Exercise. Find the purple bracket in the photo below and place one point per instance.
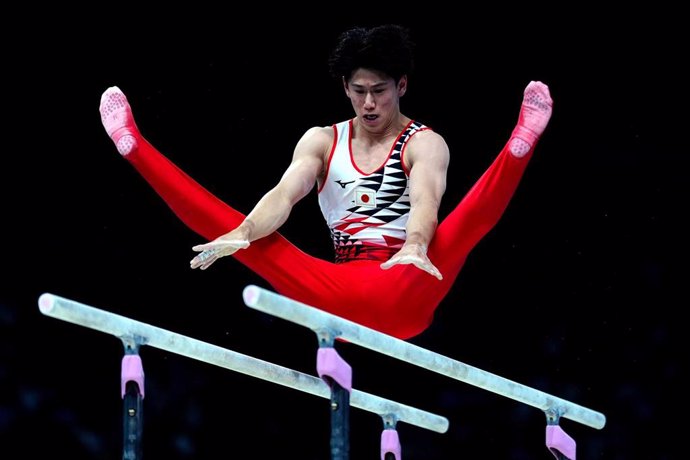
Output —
(390, 443)
(329, 363)
(132, 369)
(558, 440)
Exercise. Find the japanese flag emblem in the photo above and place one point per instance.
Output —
(365, 197)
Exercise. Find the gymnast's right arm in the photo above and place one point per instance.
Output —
(273, 209)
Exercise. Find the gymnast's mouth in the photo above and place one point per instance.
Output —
(370, 117)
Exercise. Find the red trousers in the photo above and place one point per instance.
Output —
(400, 301)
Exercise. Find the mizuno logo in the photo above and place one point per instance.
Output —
(343, 184)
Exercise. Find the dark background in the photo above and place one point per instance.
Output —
(576, 292)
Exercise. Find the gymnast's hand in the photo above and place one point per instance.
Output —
(414, 254)
(222, 246)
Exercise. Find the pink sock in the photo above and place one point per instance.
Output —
(534, 116)
(117, 119)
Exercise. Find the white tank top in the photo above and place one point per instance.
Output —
(366, 213)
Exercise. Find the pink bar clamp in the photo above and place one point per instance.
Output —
(329, 363)
(132, 369)
(390, 443)
(558, 441)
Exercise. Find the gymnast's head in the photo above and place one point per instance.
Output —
(386, 50)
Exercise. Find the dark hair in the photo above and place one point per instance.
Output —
(385, 48)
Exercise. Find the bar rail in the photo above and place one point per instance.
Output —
(306, 315)
(145, 334)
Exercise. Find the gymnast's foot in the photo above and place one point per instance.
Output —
(534, 116)
(117, 119)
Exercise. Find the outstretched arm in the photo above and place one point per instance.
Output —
(428, 157)
(274, 208)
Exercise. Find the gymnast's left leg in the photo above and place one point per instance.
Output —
(481, 208)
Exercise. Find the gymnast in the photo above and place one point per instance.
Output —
(379, 177)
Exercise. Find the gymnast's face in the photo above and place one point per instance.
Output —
(375, 98)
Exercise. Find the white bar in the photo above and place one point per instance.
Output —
(145, 334)
(315, 319)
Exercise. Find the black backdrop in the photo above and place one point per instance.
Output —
(576, 292)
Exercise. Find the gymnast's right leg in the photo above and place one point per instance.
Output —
(273, 258)
(199, 209)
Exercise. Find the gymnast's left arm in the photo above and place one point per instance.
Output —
(428, 157)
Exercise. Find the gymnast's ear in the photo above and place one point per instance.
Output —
(345, 86)
(402, 85)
